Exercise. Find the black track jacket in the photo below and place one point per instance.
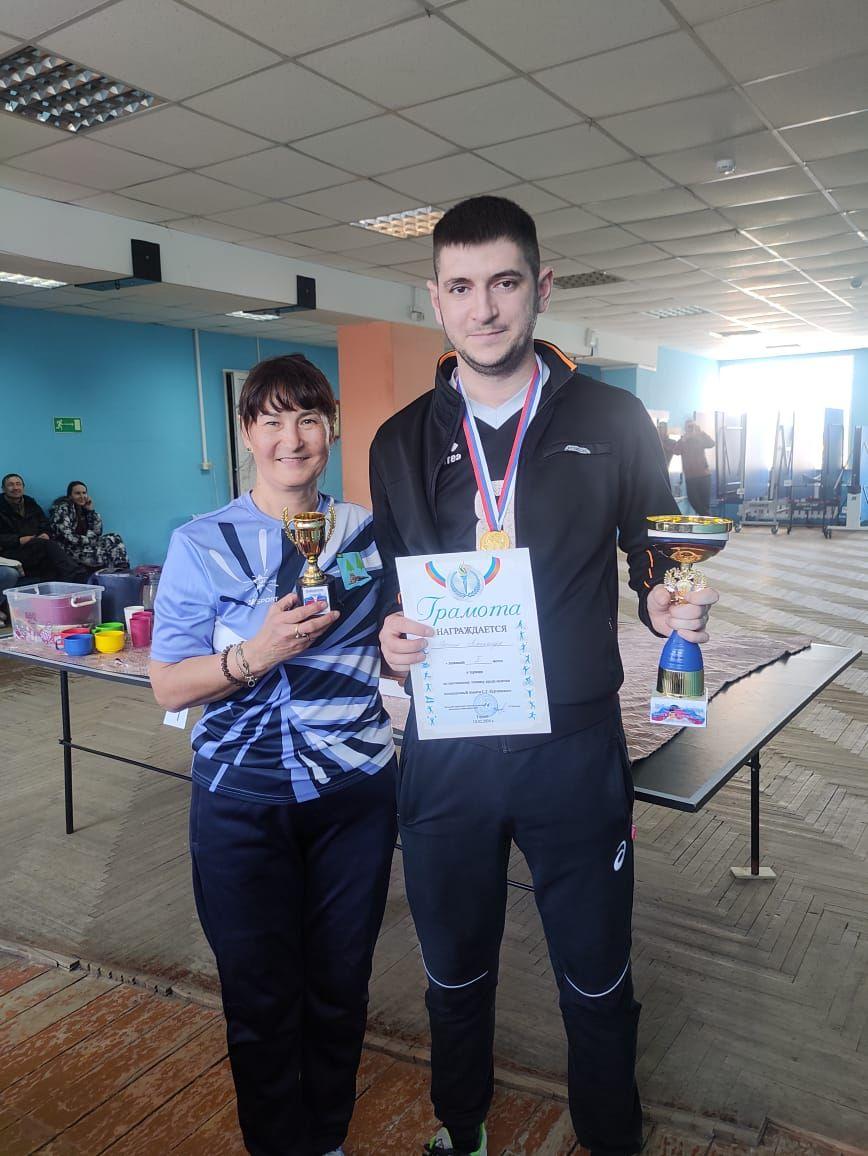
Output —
(591, 470)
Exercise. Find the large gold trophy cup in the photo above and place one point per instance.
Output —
(680, 698)
(307, 532)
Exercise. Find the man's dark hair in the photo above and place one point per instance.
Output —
(483, 219)
(281, 383)
(6, 478)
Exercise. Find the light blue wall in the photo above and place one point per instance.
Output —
(679, 383)
(623, 378)
(134, 387)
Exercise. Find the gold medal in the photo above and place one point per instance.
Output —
(495, 540)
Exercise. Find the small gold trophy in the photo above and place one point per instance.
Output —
(681, 699)
(307, 532)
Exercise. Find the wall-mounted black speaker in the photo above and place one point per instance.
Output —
(305, 293)
(146, 260)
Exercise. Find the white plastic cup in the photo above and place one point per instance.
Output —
(129, 611)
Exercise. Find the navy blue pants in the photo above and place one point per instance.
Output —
(568, 806)
(291, 899)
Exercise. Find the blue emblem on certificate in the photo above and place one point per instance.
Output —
(352, 568)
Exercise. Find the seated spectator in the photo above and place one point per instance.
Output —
(11, 573)
(24, 536)
(78, 528)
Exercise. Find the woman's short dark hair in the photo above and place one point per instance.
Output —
(288, 382)
(483, 219)
(6, 478)
(72, 486)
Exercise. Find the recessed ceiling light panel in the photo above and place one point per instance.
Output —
(734, 332)
(675, 311)
(33, 282)
(50, 90)
(585, 280)
(412, 223)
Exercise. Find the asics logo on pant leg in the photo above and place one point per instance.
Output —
(620, 855)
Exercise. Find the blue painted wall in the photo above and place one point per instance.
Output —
(134, 387)
(681, 383)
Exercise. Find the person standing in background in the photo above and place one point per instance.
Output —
(691, 447)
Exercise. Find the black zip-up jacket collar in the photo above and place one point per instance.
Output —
(591, 469)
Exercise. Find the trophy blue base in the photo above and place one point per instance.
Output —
(323, 592)
(680, 699)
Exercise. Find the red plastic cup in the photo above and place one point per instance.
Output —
(141, 625)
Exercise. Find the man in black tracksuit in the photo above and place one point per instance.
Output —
(590, 469)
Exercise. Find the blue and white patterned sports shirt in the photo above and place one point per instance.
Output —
(310, 725)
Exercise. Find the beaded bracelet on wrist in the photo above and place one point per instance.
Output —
(224, 666)
(244, 666)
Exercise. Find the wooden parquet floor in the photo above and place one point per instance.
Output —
(755, 995)
(92, 1066)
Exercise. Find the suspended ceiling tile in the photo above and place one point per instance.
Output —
(402, 253)
(797, 230)
(418, 60)
(667, 203)
(683, 225)
(178, 137)
(552, 31)
(191, 194)
(852, 196)
(629, 255)
(831, 90)
(464, 175)
(683, 123)
(699, 11)
(338, 238)
(119, 206)
(829, 138)
(216, 229)
(724, 242)
(376, 146)
(282, 248)
(721, 262)
(591, 241)
(273, 219)
(788, 182)
(149, 45)
(18, 135)
(665, 68)
(652, 270)
(356, 201)
(277, 172)
(90, 163)
(850, 169)
(532, 198)
(753, 153)
(38, 185)
(311, 25)
(549, 154)
(570, 220)
(777, 212)
(786, 34)
(627, 179)
(489, 115)
(30, 19)
(284, 104)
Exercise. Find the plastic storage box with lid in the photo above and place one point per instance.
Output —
(42, 611)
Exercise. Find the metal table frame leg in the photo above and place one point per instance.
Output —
(754, 871)
(66, 743)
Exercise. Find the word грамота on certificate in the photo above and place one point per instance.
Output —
(483, 672)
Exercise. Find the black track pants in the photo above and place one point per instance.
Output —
(291, 899)
(568, 806)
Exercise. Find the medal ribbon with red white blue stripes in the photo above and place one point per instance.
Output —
(494, 508)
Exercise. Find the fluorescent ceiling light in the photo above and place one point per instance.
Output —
(412, 223)
(675, 311)
(48, 89)
(254, 316)
(33, 282)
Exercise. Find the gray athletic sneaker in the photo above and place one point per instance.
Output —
(441, 1145)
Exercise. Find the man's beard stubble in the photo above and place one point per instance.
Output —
(513, 356)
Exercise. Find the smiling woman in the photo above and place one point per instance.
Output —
(293, 814)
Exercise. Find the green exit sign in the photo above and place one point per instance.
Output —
(67, 425)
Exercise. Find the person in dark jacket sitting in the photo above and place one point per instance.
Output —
(78, 527)
(25, 536)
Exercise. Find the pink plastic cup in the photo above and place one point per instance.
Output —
(141, 625)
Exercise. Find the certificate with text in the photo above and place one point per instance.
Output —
(483, 671)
